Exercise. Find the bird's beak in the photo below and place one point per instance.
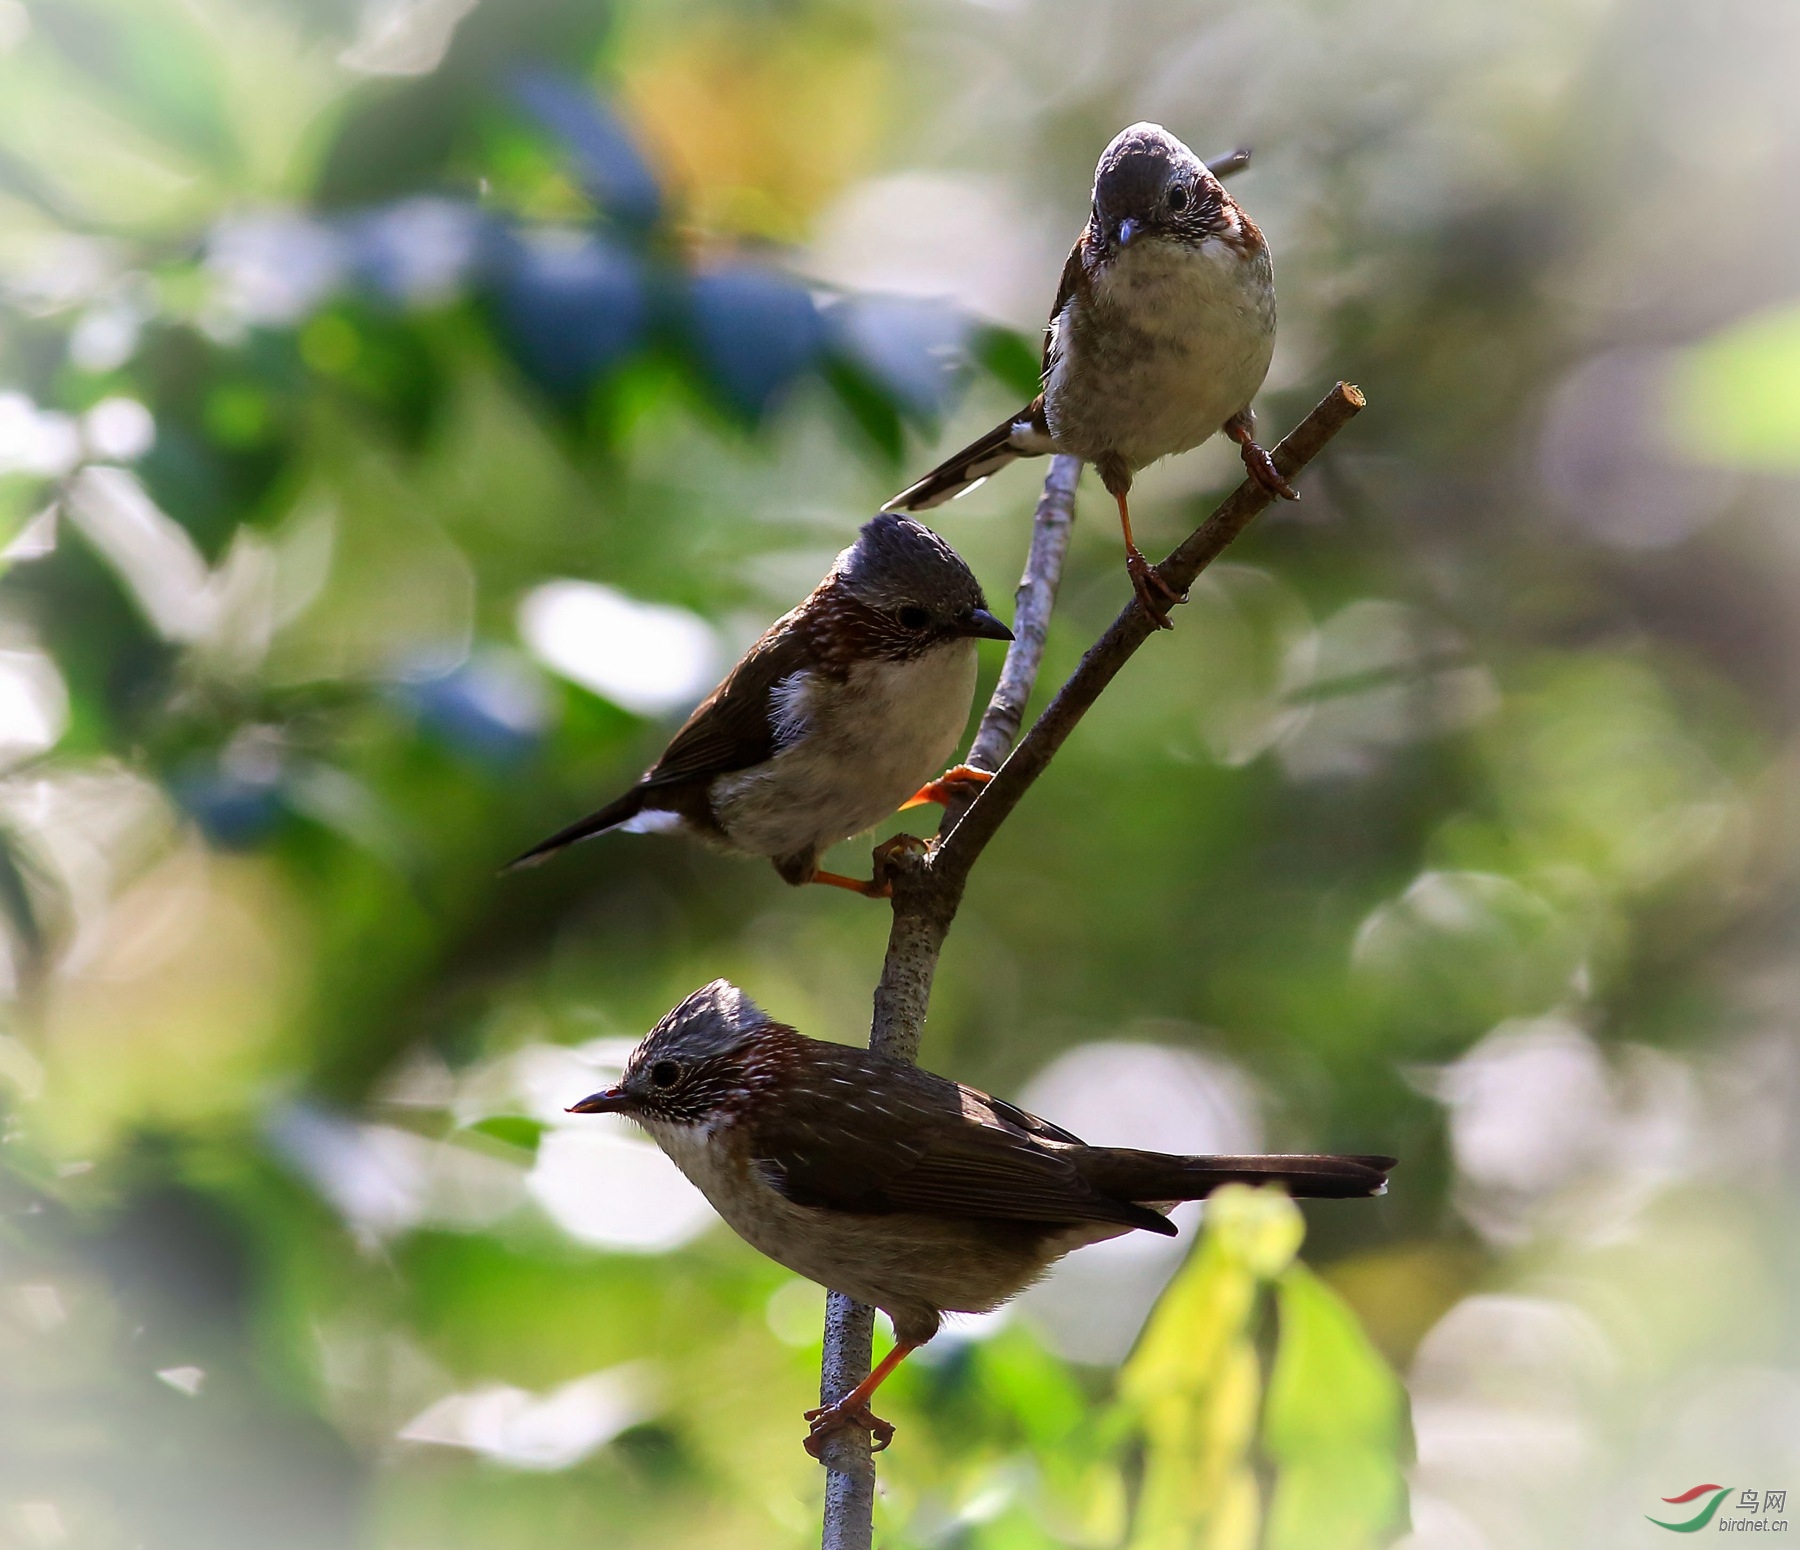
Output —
(612, 1101)
(1129, 228)
(984, 626)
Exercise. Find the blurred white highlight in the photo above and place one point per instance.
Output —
(106, 336)
(117, 430)
(15, 25)
(1502, 1386)
(42, 442)
(384, 1181)
(607, 1186)
(648, 658)
(94, 829)
(1551, 1140)
(271, 266)
(1092, 1304)
(184, 1380)
(597, 1176)
(230, 610)
(548, 1432)
(34, 705)
(942, 235)
(34, 540)
(404, 37)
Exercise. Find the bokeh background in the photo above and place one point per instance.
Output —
(407, 409)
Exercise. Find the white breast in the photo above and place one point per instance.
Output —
(1176, 341)
(858, 748)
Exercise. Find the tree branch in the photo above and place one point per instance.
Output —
(956, 852)
(928, 888)
(914, 941)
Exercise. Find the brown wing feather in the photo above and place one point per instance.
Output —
(734, 726)
(1074, 278)
(851, 1131)
(731, 729)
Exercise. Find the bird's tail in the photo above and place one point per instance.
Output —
(1142, 1176)
(1023, 435)
(623, 810)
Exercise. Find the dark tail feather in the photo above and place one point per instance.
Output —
(1139, 1176)
(611, 816)
(1006, 442)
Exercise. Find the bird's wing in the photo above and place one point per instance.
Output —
(850, 1131)
(1074, 278)
(736, 725)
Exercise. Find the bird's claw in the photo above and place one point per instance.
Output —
(885, 861)
(945, 787)
(1262, 469)
(828, 1419)
(1152, 591)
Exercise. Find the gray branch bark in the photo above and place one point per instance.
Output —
(928, 888)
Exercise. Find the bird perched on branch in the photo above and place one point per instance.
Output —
(831, 721)
(897, 1187)
(1160, 335)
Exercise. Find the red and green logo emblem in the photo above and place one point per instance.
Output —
(1704, 1516)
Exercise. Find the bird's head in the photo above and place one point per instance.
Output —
(910, 590)
(703, 1060)
(1149, 187)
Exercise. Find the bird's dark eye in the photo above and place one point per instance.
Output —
(665, 1073)
(1178, 198)
(913, 617)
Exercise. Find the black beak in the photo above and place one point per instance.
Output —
(984, 626)
(612, 1101)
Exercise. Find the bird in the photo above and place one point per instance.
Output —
(828, 723)
(1160, 335)
(896, 1187)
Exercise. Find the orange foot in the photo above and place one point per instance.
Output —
(881, 885)
(945, 786)
(828, 1419)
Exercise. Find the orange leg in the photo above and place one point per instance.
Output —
(944, 787)
(869, 890)
(1152, 591)
(853, 1408)
(1241, 428)
(881, 885)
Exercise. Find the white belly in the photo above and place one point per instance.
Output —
(1177, 341)
(860, 748)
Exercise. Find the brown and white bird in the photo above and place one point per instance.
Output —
(1160, 335)
(896, 1187)
(834, 718)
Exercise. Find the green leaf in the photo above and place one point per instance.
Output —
(1335, 1427)
(1010, 356)
(1194, 1383)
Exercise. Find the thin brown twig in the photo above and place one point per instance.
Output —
(928, 888)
